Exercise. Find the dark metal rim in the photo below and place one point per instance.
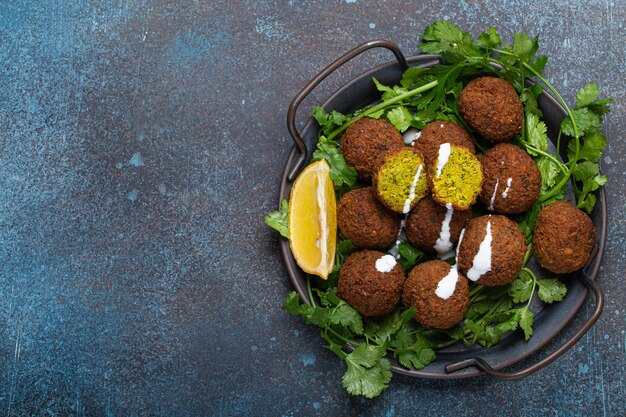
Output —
(298, 156)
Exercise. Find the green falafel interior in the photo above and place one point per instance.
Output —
(422, 96)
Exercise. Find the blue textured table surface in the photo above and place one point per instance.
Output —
(142, 142)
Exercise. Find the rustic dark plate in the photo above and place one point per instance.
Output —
(459, 360)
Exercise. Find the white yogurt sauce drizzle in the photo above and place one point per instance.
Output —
(458, 246)
(385, 263)
(395, 250)
(482, 261)
(447, 285)
(407, 203)
(443, 246)
(444, 155)
(411, 136)
(493, 196)
(508, 186)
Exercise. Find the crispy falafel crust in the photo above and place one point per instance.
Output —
(508, 248)
(437, 133)
(365, 221)
(432, 311)
(364, 142)
(370, 292)
(505, 161)
(564, 237)
(492, 107)
(423, 225)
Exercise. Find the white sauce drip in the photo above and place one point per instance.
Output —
(447, 285)
(444, 155)
(508, 186)
(493, 196)
(458, 246)
(411, 136)
(482, 261)
(400, 238)
(385, 263)
(441, 125)
(407, 203)
(443, 246)
(321, 197)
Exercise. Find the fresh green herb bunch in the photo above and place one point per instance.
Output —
(425, 95)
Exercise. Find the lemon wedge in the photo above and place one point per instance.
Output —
(313, 220)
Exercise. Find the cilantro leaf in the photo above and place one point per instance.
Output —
(446, 38)
(400, 118)
(591, 150)
(368, 373)
(587, 95)
(381, 330)
(388, 92)
(409, 255)
(490, 39)
(551, 290)
(549, 172)
(328, 121)
(535, 134)
(278, 220)
(521, 288)
(586, 121)
(340, 172)
(524, 47)
(526, 322)
(412, 350)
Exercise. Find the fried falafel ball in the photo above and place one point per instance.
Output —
(364, 142)
(491, 250)
(400, 180)
(434, 228)
(439, 293)
(437, 133)
(371, 282)
(365, 221)
(456, 177)
(512, 180)
(564, 237)
(492, 107)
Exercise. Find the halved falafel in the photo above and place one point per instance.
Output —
(491, 250)
(365, 221)
(492, 107)
(512, 181)
(400, 180)
(364, 142)
(456, 177)
(434, 228)
(437, 133)
(371, 282)
(564, 237)
(426, 289)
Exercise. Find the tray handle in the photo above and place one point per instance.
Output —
(293, 107)
(529, 370)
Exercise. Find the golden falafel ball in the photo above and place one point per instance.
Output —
(400, 180)
(364, 142)
(456, 177)
(564, 237)
(437, 133)
(434, 228)
(512, 180)
(371, 282)
(491, 250)
(365, 221)
(425, 288)
(492, 107)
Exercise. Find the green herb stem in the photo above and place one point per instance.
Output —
(308, 290)
(383, 105)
